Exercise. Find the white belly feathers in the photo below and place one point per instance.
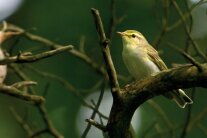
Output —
(137, 63)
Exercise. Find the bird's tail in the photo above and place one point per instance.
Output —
(181, 98)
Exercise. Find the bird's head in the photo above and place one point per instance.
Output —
(132, 38)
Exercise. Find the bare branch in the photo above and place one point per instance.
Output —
(187, 56)
(162, 114)
(21, 122)
(38, 133)
(196, 119)
(94, 112)
(14, 92)
(27, 58)
(21, 84)
(165, 4)
(97, 125)
(186, 15)
(106, 52)
(203, 128)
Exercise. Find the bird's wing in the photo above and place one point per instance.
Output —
(153, 56)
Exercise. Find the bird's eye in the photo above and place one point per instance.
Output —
(133, 35)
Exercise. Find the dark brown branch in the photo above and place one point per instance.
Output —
(97, 125)
(158, 40)
(106, 52)
(94, 112)
(136, 93)
(187, 56)
(27, 58)
(183, 77)
(14, 92)
(38, 133)
(113, 19)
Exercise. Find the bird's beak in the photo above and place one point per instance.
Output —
(121, 33)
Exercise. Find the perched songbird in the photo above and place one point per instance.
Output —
(142, 60)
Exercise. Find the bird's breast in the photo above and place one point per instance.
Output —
(138, 63)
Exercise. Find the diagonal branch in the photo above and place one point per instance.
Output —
(194, 44)
(94, 111)
(21, 122)
(27, 58)
(14, 92)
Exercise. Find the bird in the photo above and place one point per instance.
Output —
(142, 60)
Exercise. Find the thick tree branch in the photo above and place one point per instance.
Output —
(136, 93)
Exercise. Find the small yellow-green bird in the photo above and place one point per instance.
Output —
(142, 60)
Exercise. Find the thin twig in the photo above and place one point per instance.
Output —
(162, 114)
(14, 92)
(97, 125)
(25, 58)
(164, 23)
(68, 86)
(197, 118)
(149, 128)
(41, 108)
(85, 58)
(187, 56)
(94, 112)
(21, 84)
(194, 44)
(38, 133)
(21, 122)
(112, 19)
(203, 128)
(186, 15)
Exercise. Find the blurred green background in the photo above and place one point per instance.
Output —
(66, 22)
